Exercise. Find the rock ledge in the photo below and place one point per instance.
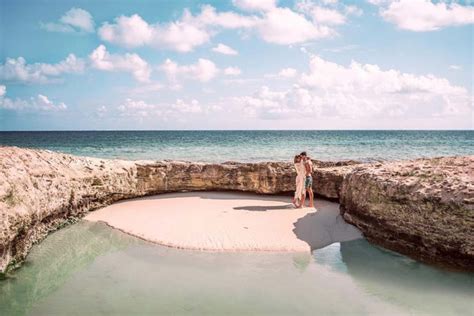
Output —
(421, 208)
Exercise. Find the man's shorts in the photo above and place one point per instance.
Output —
(308, 182)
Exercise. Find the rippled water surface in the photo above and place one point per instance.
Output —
(218, 146)
(91, 269)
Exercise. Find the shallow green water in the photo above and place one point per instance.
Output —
(91, 269)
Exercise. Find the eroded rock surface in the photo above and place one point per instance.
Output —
(422, 208)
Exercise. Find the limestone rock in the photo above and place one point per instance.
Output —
(422, 208)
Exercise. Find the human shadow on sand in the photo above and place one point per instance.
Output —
(324, 227)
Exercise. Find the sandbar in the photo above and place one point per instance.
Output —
(222, 221)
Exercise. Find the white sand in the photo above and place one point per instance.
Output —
(227, 221)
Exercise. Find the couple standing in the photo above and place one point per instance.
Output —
(304, 180)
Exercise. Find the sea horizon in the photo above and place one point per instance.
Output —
(248, 145)
(231, 130)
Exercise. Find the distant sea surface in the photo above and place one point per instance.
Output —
(219, 146)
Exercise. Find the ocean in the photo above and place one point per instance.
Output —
(248, 146)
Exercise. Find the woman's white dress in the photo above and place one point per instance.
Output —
(300, 177)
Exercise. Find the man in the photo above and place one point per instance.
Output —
(308, 183)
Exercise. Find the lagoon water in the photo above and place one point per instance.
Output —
(219, 146)
(92, 269)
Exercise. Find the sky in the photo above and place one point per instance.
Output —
(236, 64)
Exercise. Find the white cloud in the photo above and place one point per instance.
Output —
(284, 73)
(243, 81)
(203, 70)
(228, 20)
(365, 78)
(328, 13)
(327, 16)
(178, 110)
(133, 31)
(187, 107)
(329, 2)
(130, 31)
(38, 103)
(255, 5)
(276, 24)
(284, 26)
(101, 59)
(367, 90)
(224, 49)
(379, 2)
(232, 71)
(74, 20)
(56, 27)
(353, 10)
(101, 111)
(455, 67)
(147, 88)
(269, 104)
(17, 70)
(182, 36)
(287, 73)
(358, 91)
(139, 109)
(279, 25)
(424, 15)
(79, 18)
(42, 102)
(309, 22)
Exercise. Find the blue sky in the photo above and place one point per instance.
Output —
(241, 64)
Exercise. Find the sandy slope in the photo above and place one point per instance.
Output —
(228, 221)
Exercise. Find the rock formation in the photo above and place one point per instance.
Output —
(421, 208)
(427, 213)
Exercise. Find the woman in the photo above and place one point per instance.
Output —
(300, 178)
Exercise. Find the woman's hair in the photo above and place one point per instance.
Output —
(297, 158)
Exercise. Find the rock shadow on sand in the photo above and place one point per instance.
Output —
(217, 195)
(263, 208)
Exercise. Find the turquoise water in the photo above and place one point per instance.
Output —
(218, 146)
(91, 269)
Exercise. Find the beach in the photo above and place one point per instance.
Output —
(220, 221)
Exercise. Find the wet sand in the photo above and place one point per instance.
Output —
(218, 221)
